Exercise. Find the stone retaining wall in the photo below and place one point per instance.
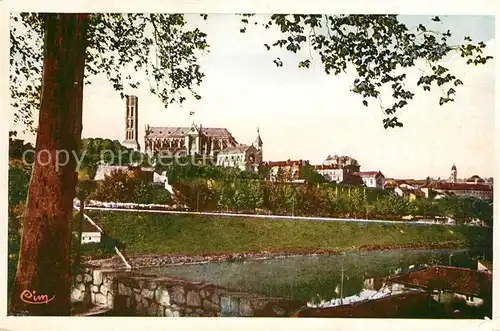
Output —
(135, 294)
(94, 287)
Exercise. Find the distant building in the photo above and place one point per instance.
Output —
(414, 183)
(338, 175)
(408, 192)
(90, 234)
(243, 157)
(474, 186)
(373, 179)
(482, 191)
(332, 173)
(197, 141)
(286, 171)
(342, 162)
(339, 169)
(391, 183)
(185, 141)
(176, 141)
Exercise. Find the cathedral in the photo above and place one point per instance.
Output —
(196, 140)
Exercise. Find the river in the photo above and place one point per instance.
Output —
(315, 277)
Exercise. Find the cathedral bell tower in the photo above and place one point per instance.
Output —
(131, 123)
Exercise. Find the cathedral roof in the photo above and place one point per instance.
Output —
(179, 132)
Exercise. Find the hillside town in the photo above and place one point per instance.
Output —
(219, 145)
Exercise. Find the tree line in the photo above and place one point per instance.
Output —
(255, 195)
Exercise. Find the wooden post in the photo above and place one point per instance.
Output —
(80, 228)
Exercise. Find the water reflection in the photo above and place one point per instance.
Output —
(315, 278)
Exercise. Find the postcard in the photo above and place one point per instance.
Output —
(179, 163)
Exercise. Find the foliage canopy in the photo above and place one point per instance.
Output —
(166, 49)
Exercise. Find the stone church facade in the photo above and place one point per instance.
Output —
(196, 140)
(186, 141)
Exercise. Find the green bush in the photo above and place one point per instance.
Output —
(160, 195)
(122, 186)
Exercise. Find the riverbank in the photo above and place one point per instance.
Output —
(173, 239)
(142, 234)
(156, 260)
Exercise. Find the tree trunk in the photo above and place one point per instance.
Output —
(42, 285)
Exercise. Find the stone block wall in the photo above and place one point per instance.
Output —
(94, 287)
(134, 294)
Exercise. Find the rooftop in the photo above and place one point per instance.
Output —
(368, 173)
(461, 280)
(181, 131)
(326, 166)
(235, 149)
(406, 305)
(286, 163)
(459, 186)
(89, 227)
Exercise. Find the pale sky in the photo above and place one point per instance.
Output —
(306, 114)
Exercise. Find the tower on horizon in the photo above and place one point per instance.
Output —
(453, 177)
(131, 123)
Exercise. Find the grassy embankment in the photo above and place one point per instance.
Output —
(143, 233)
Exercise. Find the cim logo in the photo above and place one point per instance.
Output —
(35, 299)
